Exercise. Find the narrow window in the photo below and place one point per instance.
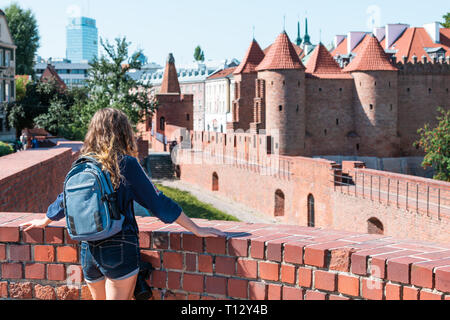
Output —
(311, 217)
(298, 107)
(187, 117)
(371, 107)
(279, 203)
(215, 182)
(280, 108)
(337, 122)
(320, 89)
(357, 146)
(391, 107)
(325, 131)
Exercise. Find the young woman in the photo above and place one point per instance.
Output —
(110, 267)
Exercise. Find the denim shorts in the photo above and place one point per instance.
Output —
(116, 258)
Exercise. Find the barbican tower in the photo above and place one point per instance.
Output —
(376, 100)
(282, 74)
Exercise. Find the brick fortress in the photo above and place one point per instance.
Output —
(285, 113)
(371, 107)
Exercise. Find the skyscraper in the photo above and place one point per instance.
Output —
(82, 39)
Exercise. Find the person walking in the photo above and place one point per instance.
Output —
(110, 267)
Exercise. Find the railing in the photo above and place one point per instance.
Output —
(263, 165)
(414, 197)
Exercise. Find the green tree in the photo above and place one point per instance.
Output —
(24, 30)
(21, 88)
(37, 100)
(199, 54)
(109, 85)
(436, 144)
(446, 23)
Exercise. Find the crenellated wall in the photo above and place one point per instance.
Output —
(254, 261)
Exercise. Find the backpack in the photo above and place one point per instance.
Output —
(90, 203)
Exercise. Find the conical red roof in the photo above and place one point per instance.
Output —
(253, 57)
(281, 55)
(170, 82)
(372, 57)
(322, 62)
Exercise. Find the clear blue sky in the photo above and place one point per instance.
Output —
(222, 28)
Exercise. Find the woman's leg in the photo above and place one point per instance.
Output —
(120, 289)
(97, 289)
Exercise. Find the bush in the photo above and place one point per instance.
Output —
(5, 149)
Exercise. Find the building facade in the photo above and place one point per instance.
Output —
(192, 78)
(82, 40)
(73, 74)
(7, 77)
(219, 96)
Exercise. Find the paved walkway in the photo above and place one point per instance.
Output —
(220, 202)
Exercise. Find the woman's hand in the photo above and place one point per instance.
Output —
(208, 232)
(184, 221)
(38, 223)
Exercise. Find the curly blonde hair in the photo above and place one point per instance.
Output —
(110, 136)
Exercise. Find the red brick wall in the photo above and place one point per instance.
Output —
(329, 107)
(264, 262)
(31, 180)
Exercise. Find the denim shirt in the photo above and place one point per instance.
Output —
(135, 187)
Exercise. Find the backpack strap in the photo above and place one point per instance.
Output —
(87, 158)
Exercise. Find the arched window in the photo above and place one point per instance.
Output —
(311, 217)
(279, 203)
(374, 226)
(162, 123)
(215, 182)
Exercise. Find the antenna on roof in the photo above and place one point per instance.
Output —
(253, 32)
(284, 22)
(320, 35)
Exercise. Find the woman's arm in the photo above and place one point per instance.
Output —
(55, 212)
(184, 221)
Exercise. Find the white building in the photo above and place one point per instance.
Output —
(7, 77)
(219, 96)
(73, 74)
(192, 78)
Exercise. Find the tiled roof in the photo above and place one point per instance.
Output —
(170, 82)
(50, 74)
(371, 57)
(341, 49)
(414, 41)
(222, 74)
(322, 62)
(253, 57)
(300, 52)
(282, 55)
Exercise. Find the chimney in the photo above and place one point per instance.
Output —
(433, 30)
(338, 39)
(393, 32)
(353, 39)
(380, 33)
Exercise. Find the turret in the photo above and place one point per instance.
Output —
(283, 77)
(245, 77)
(376, 100)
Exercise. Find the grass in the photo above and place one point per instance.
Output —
(193, 207)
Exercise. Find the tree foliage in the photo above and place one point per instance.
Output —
(109, 86)
(446, 23)
(24, 30)
(199, 54)
(436, 144)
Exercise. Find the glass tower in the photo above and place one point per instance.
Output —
(82, 39)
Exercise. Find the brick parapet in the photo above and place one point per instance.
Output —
(253, 261)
